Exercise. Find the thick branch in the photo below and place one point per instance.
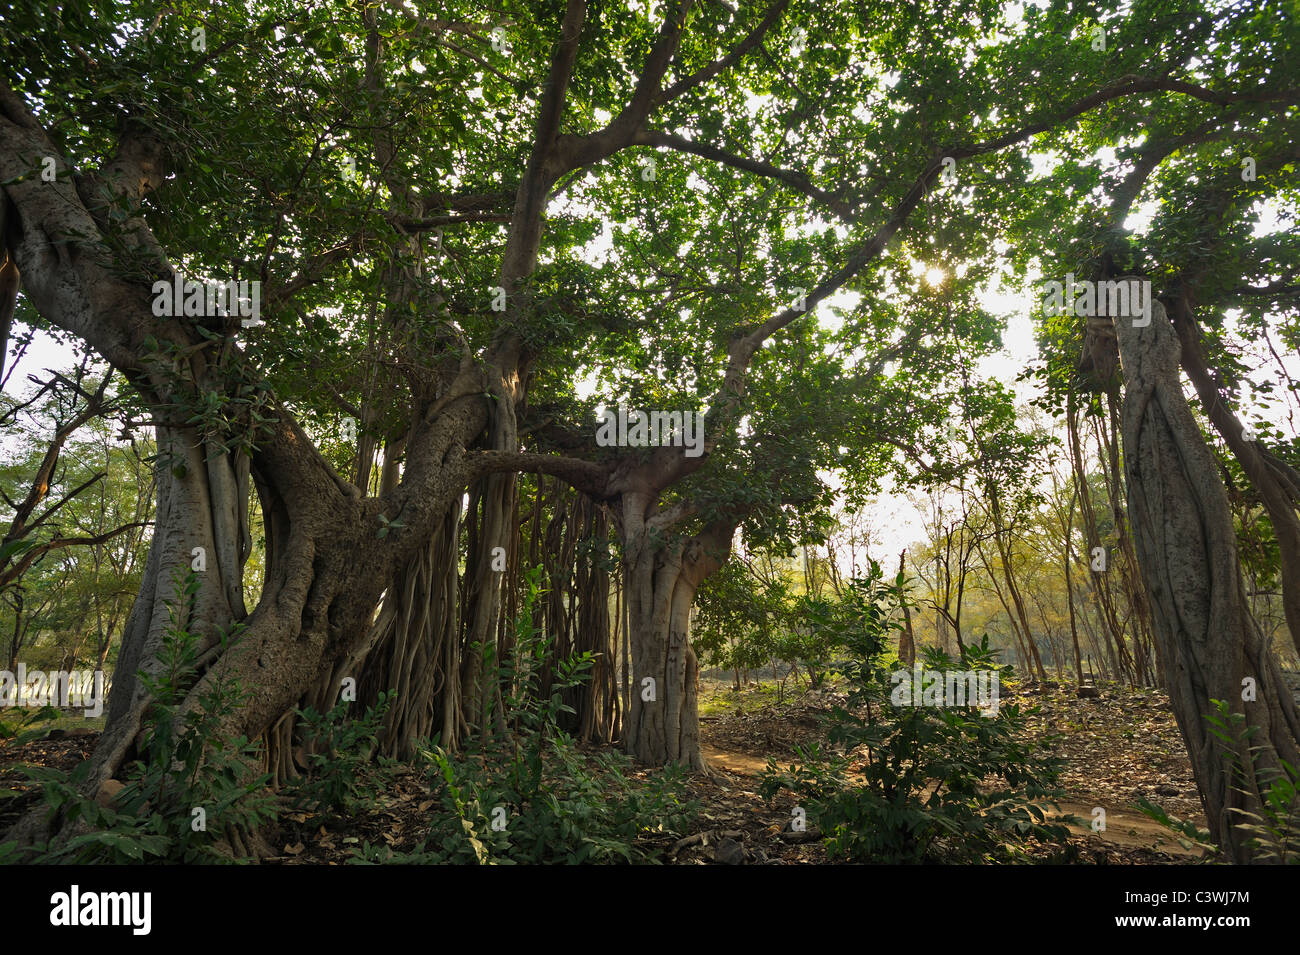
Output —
(590, 478)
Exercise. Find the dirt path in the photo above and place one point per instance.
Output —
(1123, 828)
(1117, 749)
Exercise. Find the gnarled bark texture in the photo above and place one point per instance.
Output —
(1210, 646)
(660, 580)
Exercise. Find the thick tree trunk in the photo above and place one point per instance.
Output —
(661, 581)
(1276, 483)
(1210, 647)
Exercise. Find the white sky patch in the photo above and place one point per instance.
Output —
(1043, 165)
(754, 105)
(1018, 345)
(45, 353)
(1271, 214)
(1139, 220)
(830, 311)
(745, 428)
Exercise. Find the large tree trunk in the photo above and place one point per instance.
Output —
(661, 580)
(1210, 647)
(1276, 483)
(201, 527)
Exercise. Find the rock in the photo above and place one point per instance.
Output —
(729, 852)
(1164, 789)
(80, 731)
(108, 789)
(1088, 693)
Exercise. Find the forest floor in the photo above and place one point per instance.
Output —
(1117, 748)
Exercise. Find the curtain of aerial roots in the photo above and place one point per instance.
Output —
(486, 628)
(415, 649)
(1122, 566)
(1210, 646)
(421, 646)
(1121, 660)
(574, 550)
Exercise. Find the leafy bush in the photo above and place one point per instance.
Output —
(1276, 830)
(556, 805)
(932, 782)
(28, 725)
(530, 795)
(741, 620)
(341, 775)
(744, 622)
(186, 767)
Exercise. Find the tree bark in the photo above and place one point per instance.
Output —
(1210, 646)
(661, 579)
(906, 638)
(1277, 485)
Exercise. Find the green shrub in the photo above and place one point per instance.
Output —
(530, 795)
(1274, 830)
(27, 725)
(186, 767)
(935, 783)
(341, 776)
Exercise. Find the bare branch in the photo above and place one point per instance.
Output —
(794, 179)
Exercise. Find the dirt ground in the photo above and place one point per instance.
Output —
(1118, 747)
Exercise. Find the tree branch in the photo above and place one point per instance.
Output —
(794, 179)
(585, 476)
(751, 40)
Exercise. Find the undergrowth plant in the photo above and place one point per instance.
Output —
(341, 776)
(528, 794)
(1274, 830)
(920, 783)
(191, 793)
(27, 725)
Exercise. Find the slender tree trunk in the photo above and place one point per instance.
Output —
(907, 638)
